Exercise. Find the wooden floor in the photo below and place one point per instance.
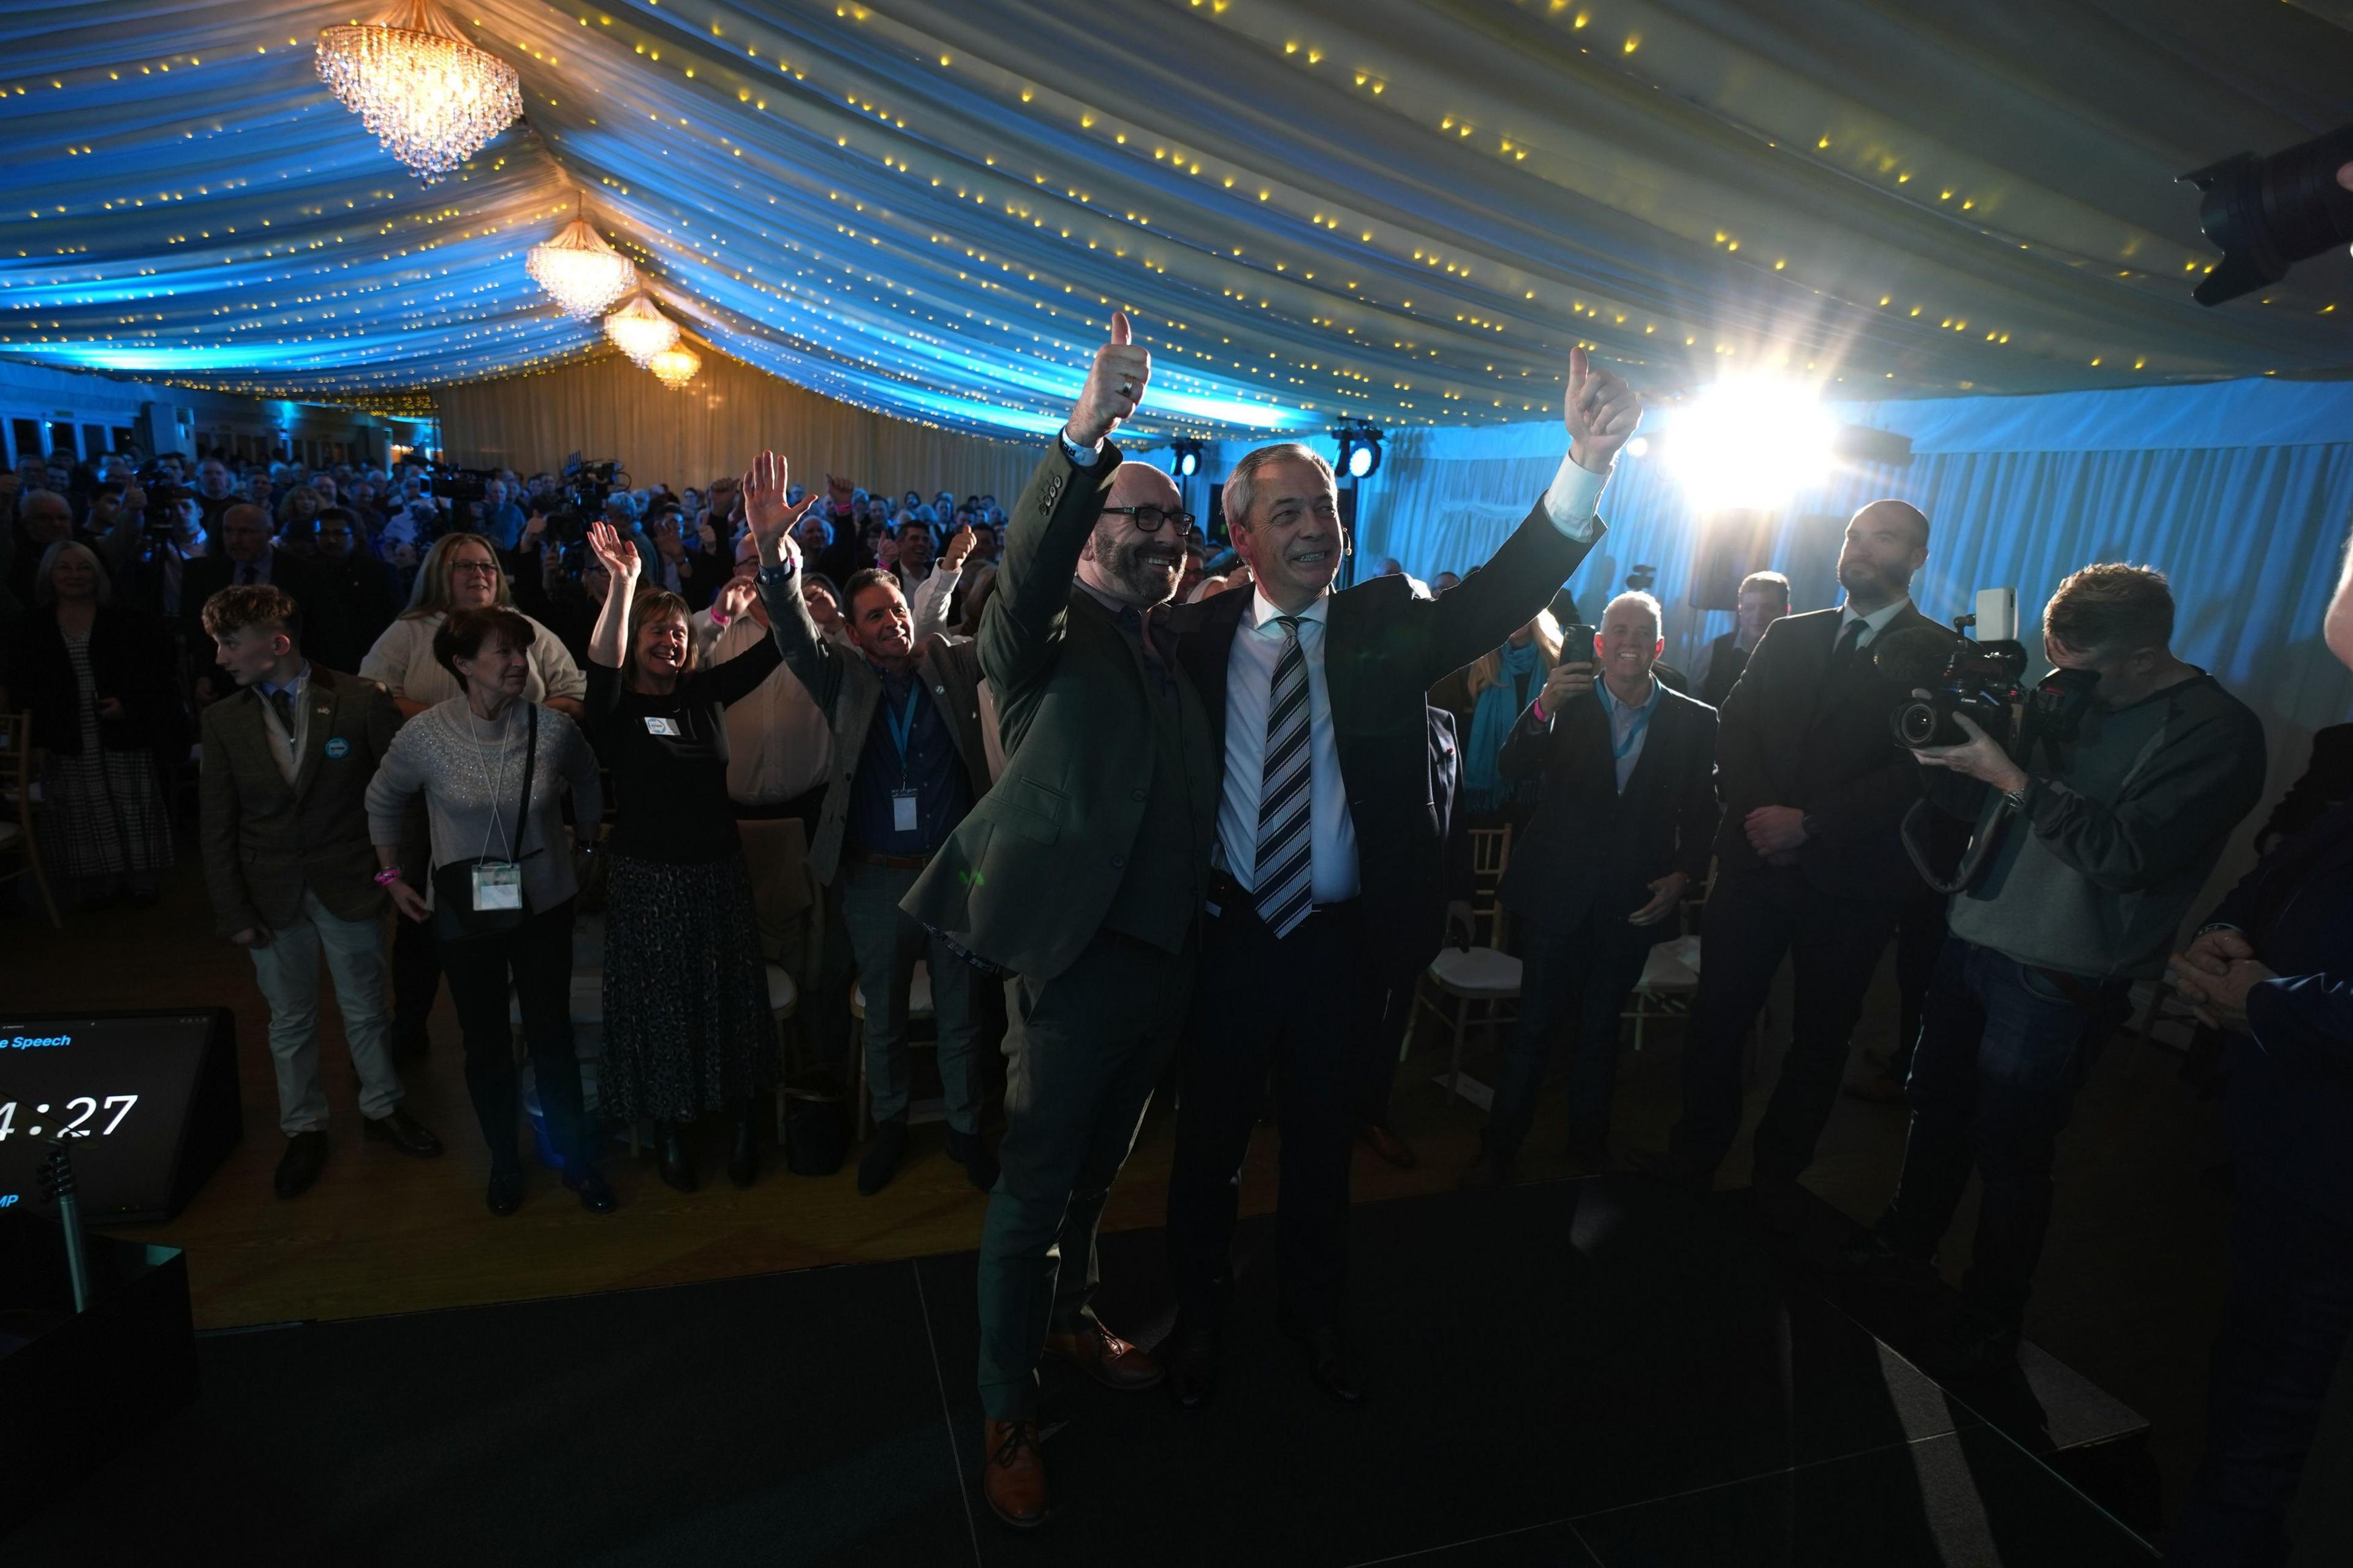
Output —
(2129, 1293)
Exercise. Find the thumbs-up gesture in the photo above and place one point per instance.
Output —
(1601, 411)
(1114, 386)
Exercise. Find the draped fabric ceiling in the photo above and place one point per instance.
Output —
(1405, 210)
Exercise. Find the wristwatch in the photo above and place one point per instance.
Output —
(2016, 797)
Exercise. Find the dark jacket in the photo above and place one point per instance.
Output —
(266, 841)
(2327, 780)
(349, 605)
(1386, 643)
(2290, 1108)
(130, 660)
(847, 687)
(1726, 661)
(1795, 732)
(1061, 845)
(1590, 847)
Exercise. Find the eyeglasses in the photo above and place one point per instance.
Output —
(482, 566)
(1149, 519)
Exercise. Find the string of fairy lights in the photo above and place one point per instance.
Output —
(913, 223)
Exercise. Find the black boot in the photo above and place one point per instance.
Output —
(979, 1165)
(881, 1161)
(744, 1164)
(677, 1164)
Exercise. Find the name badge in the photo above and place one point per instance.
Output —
(498, 885)
(903, 811)
(339, 748)
(657, 725)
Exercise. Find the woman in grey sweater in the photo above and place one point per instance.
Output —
(465, 756)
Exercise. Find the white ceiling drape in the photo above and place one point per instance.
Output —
(1407, 210)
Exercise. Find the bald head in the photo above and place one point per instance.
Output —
(1886, 542)
(48, 516)
(1136, 566)
(245, 533)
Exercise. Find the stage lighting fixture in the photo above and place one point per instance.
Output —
(1750, 444)
(1184, 459)
(1360, 449)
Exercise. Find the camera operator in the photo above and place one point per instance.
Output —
(2100, 843)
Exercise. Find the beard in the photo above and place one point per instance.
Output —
(1144, 570)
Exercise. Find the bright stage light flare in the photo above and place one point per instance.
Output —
(1750, 445)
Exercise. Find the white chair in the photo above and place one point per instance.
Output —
(1670, 979)
(1485, 976)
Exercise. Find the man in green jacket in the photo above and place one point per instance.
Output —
(1082, 873)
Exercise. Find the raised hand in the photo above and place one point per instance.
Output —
(532, 526)
(735, 597)
(1600, 409)
(841, 491)
(959, 545)
(619, 556)
(1570, 679)
(772, 517)
(1114, 387)
(666, 541)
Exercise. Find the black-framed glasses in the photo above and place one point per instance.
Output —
(1150, 519)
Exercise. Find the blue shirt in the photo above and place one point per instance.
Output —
(1629, 727)
(931, 769)
(503, 523)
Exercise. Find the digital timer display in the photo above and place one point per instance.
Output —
(120, 1089)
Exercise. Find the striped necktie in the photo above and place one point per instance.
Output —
(1286, 846)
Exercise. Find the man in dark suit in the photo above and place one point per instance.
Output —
(287, 761)
(1764, 598)
(1809, 864)
(1330, 874)
(1082, 873)
(1625, 823)
(246, 557)
(911, 760)
(350, 599)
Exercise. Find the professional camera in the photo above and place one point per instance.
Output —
(588, 483)
(2268, 213)
(1978, 678)
(165, 506)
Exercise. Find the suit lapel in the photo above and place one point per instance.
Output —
(319, 694)
(248, 733)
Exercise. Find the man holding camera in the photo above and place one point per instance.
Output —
(1809, 865)
(1624, 825)
(2103, 840)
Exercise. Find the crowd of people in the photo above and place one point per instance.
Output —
(1187, 807)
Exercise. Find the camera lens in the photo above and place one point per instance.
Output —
(1915, 723)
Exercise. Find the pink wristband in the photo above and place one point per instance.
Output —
(1536, 706)
(387, 876)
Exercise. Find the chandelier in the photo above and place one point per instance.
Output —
(429, 95)
(676, 366)
(580, 271)
(639, 331)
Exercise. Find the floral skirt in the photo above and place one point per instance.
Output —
(687, 1026)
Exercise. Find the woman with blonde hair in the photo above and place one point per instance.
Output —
(687, 1024)
(96, 677)
(459, 573)
(1498, 687)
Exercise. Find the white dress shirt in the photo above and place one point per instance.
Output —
(1872, 624)
(1249, 677)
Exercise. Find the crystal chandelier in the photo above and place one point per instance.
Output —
(676, 366)
(429, 95)
(580, 271)
(640, 331)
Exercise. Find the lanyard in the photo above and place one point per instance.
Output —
(1634, 731)
(902, 725)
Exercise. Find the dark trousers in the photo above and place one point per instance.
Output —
(536, 959)
(1589, 967)
(2003, 1051)
(416, 981)
(1754, 918)
(1300, 1007)
(1082, 1055)
(2284, 1331)
(1919, 940)
(1387, 1039)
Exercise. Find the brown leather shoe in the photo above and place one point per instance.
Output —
(1105, 1357)
(1013, 1475)
(1385, 1143)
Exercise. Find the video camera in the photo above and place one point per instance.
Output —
(1944, 677)
(588, 483)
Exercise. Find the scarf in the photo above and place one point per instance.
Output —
(1484, 786)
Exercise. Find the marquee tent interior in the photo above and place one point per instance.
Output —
(1960, 218)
